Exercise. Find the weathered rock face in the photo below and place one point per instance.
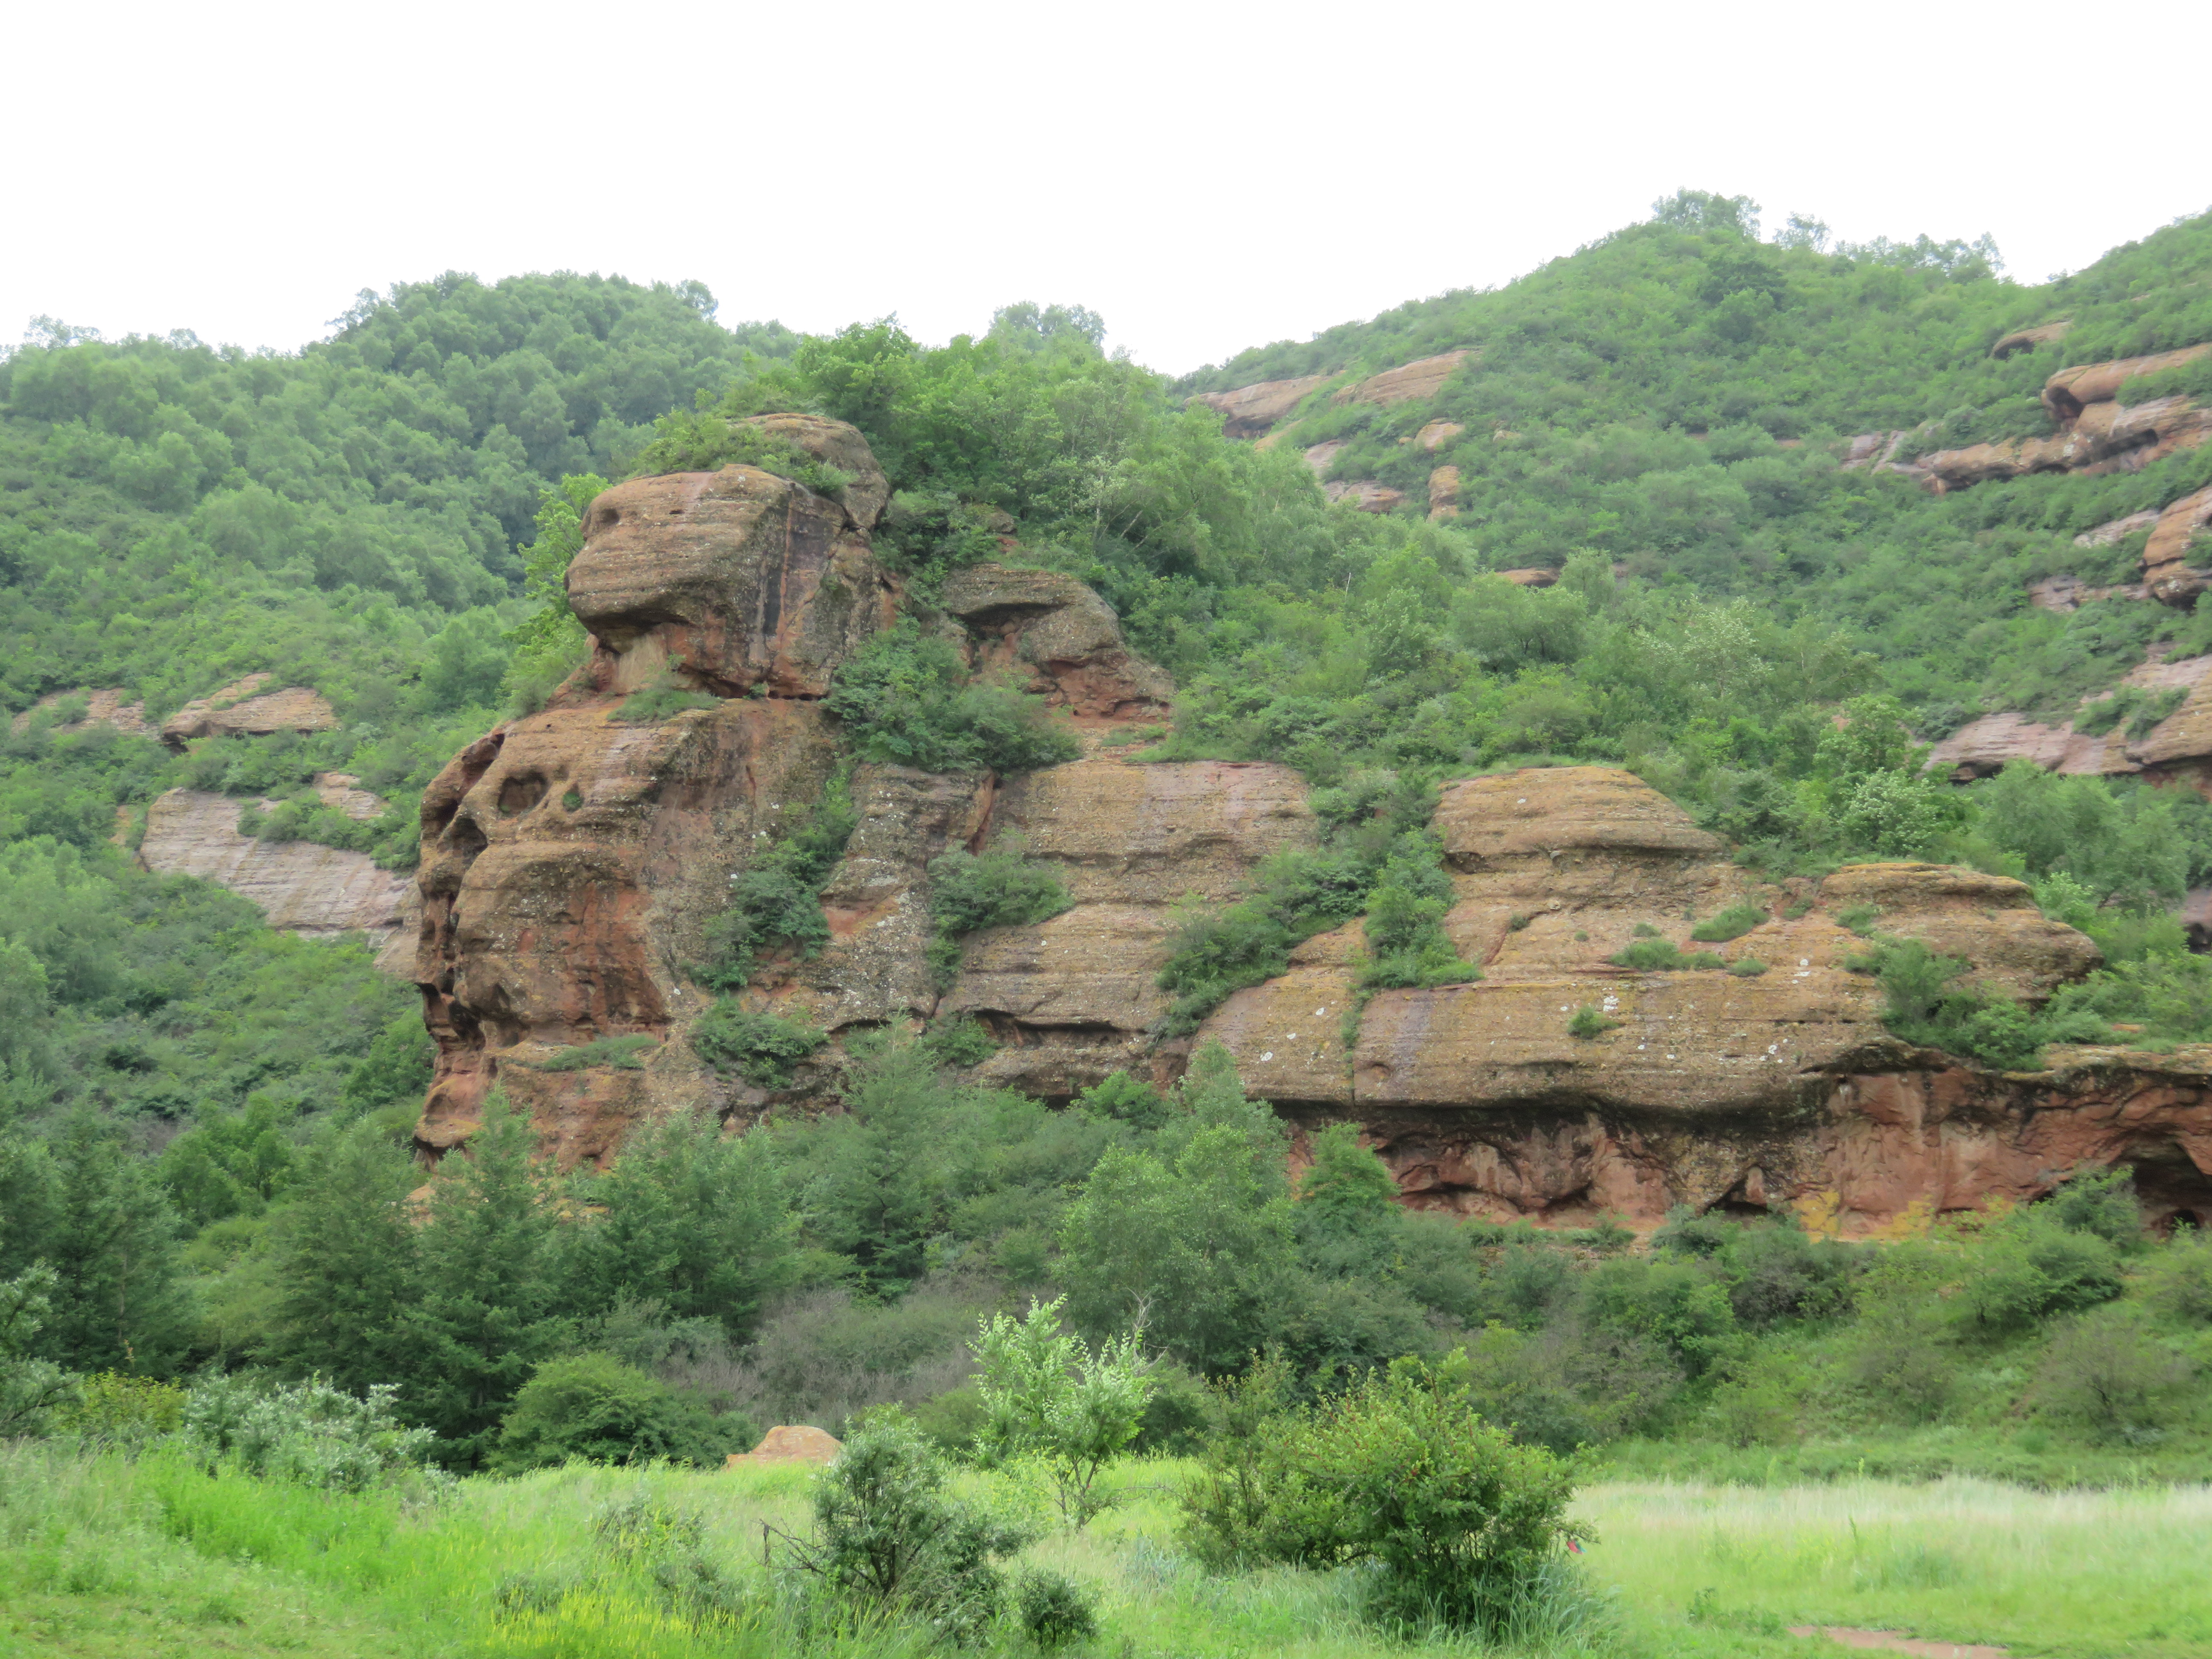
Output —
(299, 886)
(1437, 434)
(243, 708)
(1065, 637)
(2028, 339)
(2096, 434)
(1444, 493)
(2180, 527)
(1422, 379)
(1251, 410)
(573, 862)
(1711, 1088)
(2178, 747)
(732, 580)
(105, 706)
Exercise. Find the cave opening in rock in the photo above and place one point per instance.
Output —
(2172, 1189)
(517, 795)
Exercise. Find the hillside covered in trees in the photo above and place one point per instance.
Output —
(207, 1121)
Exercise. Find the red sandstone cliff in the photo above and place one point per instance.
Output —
(572, 859)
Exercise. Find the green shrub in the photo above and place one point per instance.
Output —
(1732, 923)
(1650, 956)
(888, 1539)
(709, 438)
(2102, 1202)
(2178, 1281)
(1747, 967)
(2106, 1373)
(1053, 1609)
(1401, 1474)
(906, 698)
(651, 704)
(961, 1043)
(2030, 1269)
(998, 889)
(1588, 1024)
(760, 1049)
(308, 1433)
(773, 902)
(1859, 919)
(621, 1053)
(593, 1406)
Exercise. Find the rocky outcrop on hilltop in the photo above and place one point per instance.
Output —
(1255, 410)
(243, 708)
(572, 859)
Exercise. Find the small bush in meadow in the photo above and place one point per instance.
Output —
(1732, 923)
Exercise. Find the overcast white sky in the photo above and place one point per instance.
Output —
(1207, 176)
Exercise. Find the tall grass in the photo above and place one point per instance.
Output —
(152, 1557)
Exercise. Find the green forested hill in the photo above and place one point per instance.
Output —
(1762, 633)
(173, 515)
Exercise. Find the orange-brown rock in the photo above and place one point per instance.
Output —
(2026, 339)
(1424, 378)
(2174, 746)
(790, 1443)
(1075, 998)
(732, 580)
(1874, 449)
(1437, 434)
(1367, 494)
(1711, 1088)
(1532, 576)
(300, 885)
(1064, 636)
(242, 708)
(1250, 410)
(1444, 493)
(105, 706)
(2063, 594)
(2105, 535)
(2106, 437)
(2096, 435)
(2070, 392)
(2166, 571)
(1322, 456)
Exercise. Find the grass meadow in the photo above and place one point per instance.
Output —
(104, 1556)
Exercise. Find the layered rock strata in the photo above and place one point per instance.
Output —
(572, 860)
(243, 708)
(1711, 1088)
(2095, 433)
(300, 885)
(1250, 412)
(2178, 748)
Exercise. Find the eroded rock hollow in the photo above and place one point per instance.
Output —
(573, 860)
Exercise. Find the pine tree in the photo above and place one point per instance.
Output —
(348, 1262)
(688, 1217)
(117, 1303)
(484, 1313)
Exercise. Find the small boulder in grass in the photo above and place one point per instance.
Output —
(791, 1444)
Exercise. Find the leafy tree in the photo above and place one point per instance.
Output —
(593, 1405)
(1050, 1395)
